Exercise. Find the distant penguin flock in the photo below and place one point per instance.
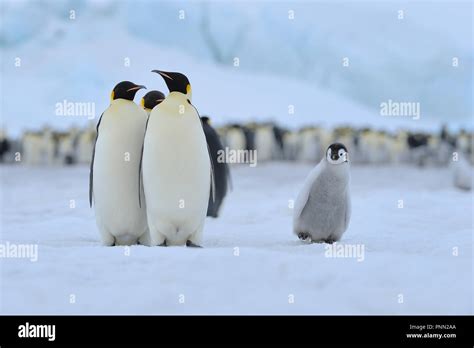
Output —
(273, 142)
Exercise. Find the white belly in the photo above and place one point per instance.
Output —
(265, 143)
(116, 171)
(235, 139)
(176, 173)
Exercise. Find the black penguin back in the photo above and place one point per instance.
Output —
(221, 169)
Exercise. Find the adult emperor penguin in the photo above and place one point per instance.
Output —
(114, 172)
(151, 99)
(176, 167)
(322, 209)
(221, 169)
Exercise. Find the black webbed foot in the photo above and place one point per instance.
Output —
(192, 245)
(304, 236)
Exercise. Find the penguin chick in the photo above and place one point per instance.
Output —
(114, 172)
(150, 100)
(322, 208)
(221, 169)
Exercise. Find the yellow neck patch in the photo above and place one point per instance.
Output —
(188, 88)
(112, 95)
(142, 102)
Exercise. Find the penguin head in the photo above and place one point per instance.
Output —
(152, 99)
(337, 154)
(206, 120)
(125, 90)
(176, 82)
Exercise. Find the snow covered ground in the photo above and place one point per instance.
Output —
(409, 252)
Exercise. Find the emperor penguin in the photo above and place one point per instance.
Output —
(265, 142)
(176, 168)
(150, 100)
(114, 173)
(48, 147)
(235, 138)
(322, 209)
(220, 167)
(462, 173)
(4, 144)
(310, 145)
(85, 144)
(291, 145)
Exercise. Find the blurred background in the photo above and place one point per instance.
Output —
(311, 72)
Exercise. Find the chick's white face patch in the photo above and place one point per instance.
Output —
(337, 157)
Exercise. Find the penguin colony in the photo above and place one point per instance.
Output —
(144, 193)
(155, 173)
(308, 144)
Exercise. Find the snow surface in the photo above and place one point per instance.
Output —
(408, 251)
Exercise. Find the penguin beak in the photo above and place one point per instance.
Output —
(170, 82)
(136, 88)
(163, 74)
(159, 100)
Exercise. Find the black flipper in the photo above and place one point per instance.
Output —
(213, 185)
(91, 171)
(229, 178)
(140, 166)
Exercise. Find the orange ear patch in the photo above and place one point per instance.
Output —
(112, 95)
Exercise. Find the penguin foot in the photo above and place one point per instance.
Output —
(304, 236)
(163, 244)
(192, 245)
